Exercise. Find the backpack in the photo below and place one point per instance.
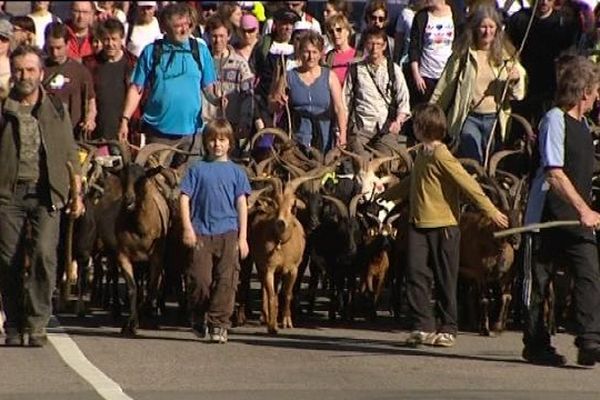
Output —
(157, 52)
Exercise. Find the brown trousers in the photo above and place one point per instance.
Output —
(213, 278)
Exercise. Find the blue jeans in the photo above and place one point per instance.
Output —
(474, 136)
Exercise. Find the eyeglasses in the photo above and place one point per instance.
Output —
(250, 30)
(377, 18)
(336, 30)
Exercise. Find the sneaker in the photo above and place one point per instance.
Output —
(199, 330)
(218, 335)
(545, 356)
(416, 338)
(38, 340)
(444, 339)
(13, 338)
(588, 356)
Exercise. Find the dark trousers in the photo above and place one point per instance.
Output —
(213, 278)
(578, 252)
(189, 143)
(27, 295)
(433, 256)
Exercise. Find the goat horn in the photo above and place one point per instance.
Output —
(270, 131)
(494, 188)
(376, 163)
(469, 162)
(497, 157)
(404, 154)
(525, 124)
(390, 220)
(260, 167)
(362, 161)
(150, 149)
(317, 155)
(339, 204)
(295, 183)
(254, 195)
(332, 156)
(353, 205)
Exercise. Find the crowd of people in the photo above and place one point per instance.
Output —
(206, 76)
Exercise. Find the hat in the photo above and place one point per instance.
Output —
(6, 29)
(285, 14)
(249, 21)
(146, 4)
(302, 26)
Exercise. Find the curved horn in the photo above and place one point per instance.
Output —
(497, 157)
(279, 133)
(317, 155)
(254, 195)
(469, 162)
(376, 163)
(403, 152)
(354, 205)
(260, 167)
(150, 149)
(295, 183)
(332, 156)
(362, 161)
(494, 188)
(339, 204)
(526, 125)
(391, 219)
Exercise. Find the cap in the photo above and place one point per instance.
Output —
(146, 4)
(249, 21)
(302, 26)
(285, 14)
(6, 29)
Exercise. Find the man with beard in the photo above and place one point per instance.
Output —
(111, 70)
(36, 143)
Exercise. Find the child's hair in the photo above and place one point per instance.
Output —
(218, 128)
(429, 121)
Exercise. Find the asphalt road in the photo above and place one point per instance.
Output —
(320, 360)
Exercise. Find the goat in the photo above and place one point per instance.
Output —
(143, 223)
(277, 243)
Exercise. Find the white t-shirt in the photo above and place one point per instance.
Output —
(41, 22)
(437, 45)
(316, 26)
(142, 36)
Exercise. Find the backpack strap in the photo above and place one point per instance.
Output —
(58, 105)
(195, 48)
(329, 58)
(157, 51)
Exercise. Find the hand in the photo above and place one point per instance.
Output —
(224, 102)
(123, 130)
(420, 83)
(189, 237)
(500, 220)
(244, 249)
(88, 127)
(590, 219)
(513, 75)
(395, 127)
(77, 207)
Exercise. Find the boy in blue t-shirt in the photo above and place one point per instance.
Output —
(214, 211)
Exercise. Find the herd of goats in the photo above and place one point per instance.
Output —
(315, 211)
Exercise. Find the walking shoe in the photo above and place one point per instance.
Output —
(199, 330)
(218, 335)
(588, 356)
(544, 356)
(444, 339)
(416, 338)
(38, 340)
(13, 338)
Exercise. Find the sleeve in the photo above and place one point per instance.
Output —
(517, 90)
(552, 139)
(209, 75)
(398, 192)
(416, 37)
(242, 187)
(142, 67)
(402, 95)
(452, 168)
(189, 182)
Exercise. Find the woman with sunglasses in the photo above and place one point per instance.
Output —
(471, 86)
(376, 16)
(433, 31)
(312, 91)
(249, 36)
(339, 31)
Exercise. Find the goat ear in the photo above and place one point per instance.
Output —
(299, 205)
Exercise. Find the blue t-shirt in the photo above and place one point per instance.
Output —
(174, 104)
(213, 188)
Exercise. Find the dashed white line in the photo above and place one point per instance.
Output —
(77, 361)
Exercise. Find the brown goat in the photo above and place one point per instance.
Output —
(277, 244)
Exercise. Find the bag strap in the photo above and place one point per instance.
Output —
(157, 51)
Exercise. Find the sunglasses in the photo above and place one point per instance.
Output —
(250, 30)
(336, 30)
(377, 18)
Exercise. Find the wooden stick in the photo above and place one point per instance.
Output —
(534, 227)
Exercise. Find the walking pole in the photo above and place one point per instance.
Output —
(488, 146)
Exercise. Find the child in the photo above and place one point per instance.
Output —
(433, 190)
(214, 213)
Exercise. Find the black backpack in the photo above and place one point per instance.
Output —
(157, 52)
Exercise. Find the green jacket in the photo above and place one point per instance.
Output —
(454, 89)
(57, 142)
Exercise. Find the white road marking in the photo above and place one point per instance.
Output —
(72, 355)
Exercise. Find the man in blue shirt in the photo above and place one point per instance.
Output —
(172, 71)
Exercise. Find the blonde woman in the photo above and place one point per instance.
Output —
(339, 31)
(471, 86)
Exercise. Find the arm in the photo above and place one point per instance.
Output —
(560, 183)
(402, 99)
(415, 50)
(338, 105)
(241, 204)
(189, 236)
(516, 78)
(132, 101)
(397, 193)
(90, 118)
